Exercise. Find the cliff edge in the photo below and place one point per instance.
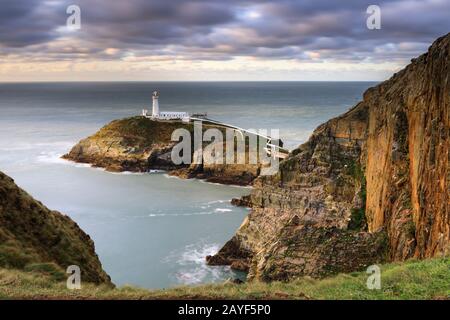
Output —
(32, 235)
(369, 186)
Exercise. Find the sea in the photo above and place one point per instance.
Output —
(150, 230)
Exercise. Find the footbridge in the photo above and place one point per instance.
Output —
(271, 149)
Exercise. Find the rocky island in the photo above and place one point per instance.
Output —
(140, 144)
(369, 186)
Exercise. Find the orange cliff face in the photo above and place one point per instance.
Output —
(407, 156)
(370, 185)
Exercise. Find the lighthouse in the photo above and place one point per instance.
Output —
(155, 111)
(165, 115)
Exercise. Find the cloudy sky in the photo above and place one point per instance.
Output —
(196, 40)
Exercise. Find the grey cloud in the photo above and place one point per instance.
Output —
(26, 22)
(220, 30)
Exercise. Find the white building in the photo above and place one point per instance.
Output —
(166, 115)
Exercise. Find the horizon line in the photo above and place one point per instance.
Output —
(168, 81)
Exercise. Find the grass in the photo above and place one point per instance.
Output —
(427, 279)
(31, 235)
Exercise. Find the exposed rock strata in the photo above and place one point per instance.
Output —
(370, 185)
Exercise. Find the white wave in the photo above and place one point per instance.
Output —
(192, 264)
(227, 185)
(214, 183)
(242, 187)
(88, 165)
(166, 175)
(138, 173)
(217, 201)
(157, 215)
(180, 214)
(60, 145)
(156, 171)
(80, 164)
(127, 173)
(50, 157)
(196, 253)
(223, 210)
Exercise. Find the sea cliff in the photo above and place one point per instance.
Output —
(34, 238)
(369, 186)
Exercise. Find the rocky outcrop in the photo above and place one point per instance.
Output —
(132, 144)
(31, 234)
(370, 185)
(140, 144)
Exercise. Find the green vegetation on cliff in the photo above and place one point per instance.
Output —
(428, 279)
(34, 238)
(141, 144)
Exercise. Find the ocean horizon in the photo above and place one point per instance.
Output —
(147, 229)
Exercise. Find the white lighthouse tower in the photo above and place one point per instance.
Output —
(165, 115)
(155, 111)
